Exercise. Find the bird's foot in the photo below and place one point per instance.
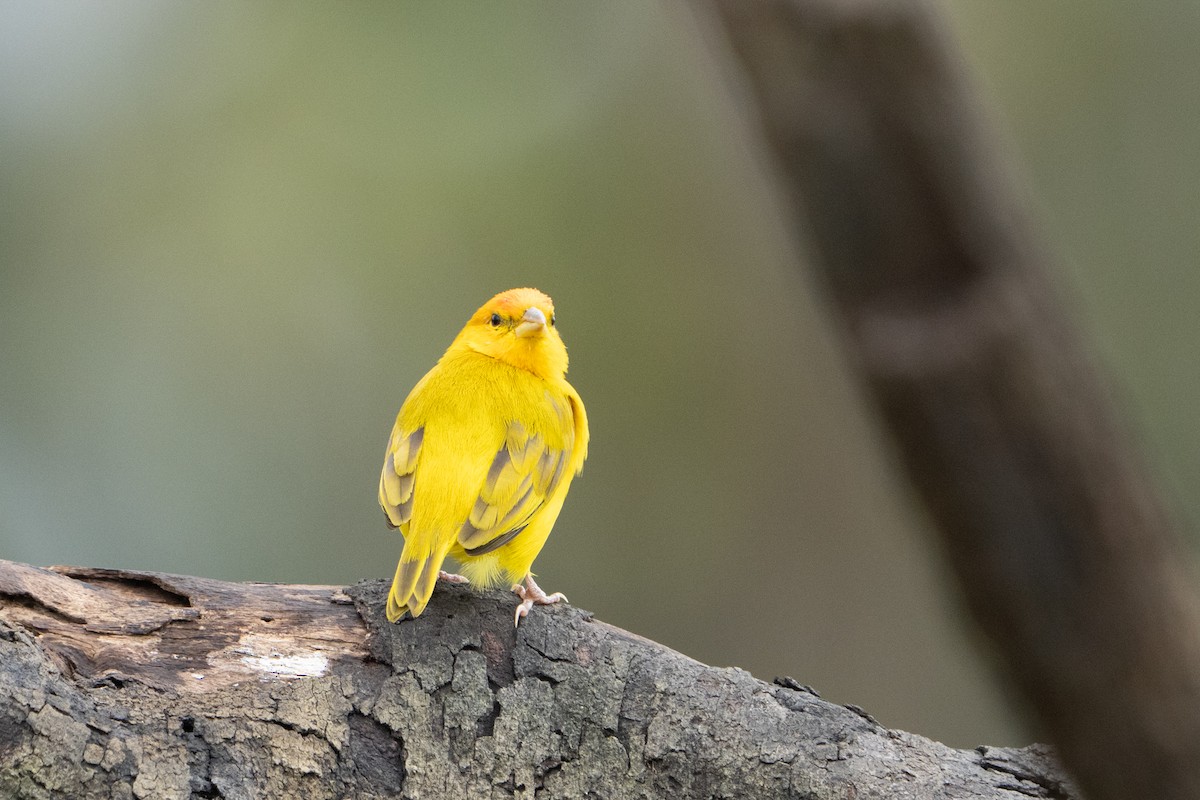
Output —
(530, 594)
(450, 577)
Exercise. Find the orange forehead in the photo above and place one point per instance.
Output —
(514, 302)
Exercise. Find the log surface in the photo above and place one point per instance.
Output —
(130, 684)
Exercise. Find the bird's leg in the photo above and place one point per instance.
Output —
(531, 593)
(450, 577)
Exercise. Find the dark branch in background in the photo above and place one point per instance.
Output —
(130, 684)
(1061, 543)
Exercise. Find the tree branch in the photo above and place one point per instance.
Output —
(129, 684)
(1060, 540)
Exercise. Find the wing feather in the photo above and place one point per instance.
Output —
(524, 472)
(397, 479)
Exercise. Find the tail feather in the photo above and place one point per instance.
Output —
(413, 585)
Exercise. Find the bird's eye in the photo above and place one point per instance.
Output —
(496, 320)
(551, 319)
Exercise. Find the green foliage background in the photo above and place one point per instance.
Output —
(232, 237)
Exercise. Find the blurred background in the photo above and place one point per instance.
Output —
(233, 236)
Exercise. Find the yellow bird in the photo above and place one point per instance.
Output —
(482, 455)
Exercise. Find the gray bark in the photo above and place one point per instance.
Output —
(1064, 548)
(118, 684)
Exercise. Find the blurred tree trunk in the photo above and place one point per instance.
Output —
(129, 684)
(1052, 523)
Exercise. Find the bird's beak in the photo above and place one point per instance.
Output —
(532, 323)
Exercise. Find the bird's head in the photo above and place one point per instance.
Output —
(517, 327)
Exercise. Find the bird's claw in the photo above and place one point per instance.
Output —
(530, 595)
(450, 577)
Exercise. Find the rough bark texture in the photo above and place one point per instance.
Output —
(119, 684)
(1062, 546)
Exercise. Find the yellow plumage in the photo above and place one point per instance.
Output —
(483, 452)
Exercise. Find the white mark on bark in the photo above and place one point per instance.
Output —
(273, 657)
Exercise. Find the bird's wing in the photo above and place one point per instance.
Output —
(396, 480)
(525, 471)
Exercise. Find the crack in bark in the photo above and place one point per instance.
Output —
(1025, 766)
